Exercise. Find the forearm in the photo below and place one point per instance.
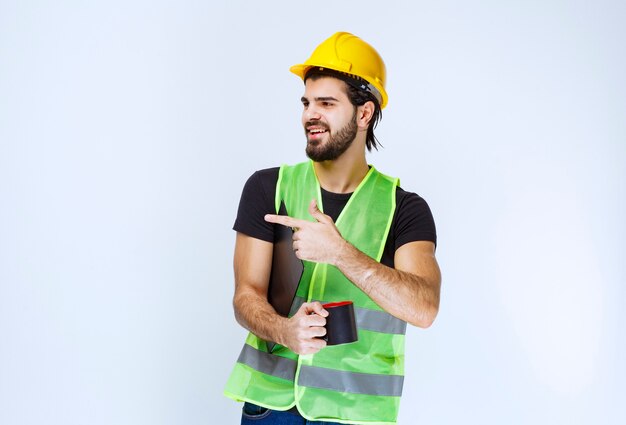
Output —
(408, 296)
(254, 313)
(300, 333)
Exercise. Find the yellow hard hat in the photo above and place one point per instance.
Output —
(348, 54)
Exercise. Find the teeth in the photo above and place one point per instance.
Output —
(318, 131)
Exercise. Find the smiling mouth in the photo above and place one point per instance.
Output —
(316, 130)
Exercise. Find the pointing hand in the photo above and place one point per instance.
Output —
(318, 240)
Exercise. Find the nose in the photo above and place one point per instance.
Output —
(311, 113)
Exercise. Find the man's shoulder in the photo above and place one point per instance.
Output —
(410, 200)
(404, 195)
(413, 220)
(262, 180)
(257, 199)
(266, 174)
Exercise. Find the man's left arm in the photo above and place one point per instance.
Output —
(410, 291)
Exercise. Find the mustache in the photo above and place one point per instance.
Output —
(316, 123)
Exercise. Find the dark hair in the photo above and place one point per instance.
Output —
(360, 97)
(357, 97)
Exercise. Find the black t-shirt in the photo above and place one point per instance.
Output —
(412, 220)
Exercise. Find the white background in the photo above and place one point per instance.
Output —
(127, 130)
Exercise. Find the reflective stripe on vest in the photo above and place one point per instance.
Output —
(329, 379)
(351, 382)
(267, 363)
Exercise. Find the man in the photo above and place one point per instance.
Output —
(361, 238)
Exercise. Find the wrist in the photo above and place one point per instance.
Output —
(281, 329)
(343, 252)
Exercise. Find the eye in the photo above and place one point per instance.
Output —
(305, 104)
(327, 104)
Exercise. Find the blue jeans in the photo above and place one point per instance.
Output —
(257, 415)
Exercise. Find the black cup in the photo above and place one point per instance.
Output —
(340, 323)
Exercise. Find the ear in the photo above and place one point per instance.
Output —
(364, 114)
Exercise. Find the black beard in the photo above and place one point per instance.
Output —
(335, 146)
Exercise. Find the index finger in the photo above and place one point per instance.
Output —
(285, 220)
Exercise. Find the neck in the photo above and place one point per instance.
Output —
(343, 174)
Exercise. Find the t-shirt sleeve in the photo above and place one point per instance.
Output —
(257, 199)
(414, 221)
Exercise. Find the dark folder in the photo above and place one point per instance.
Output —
(286, 271)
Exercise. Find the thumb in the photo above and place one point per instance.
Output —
(317, 214)
(314, 307)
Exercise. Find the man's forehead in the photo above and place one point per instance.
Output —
(325, 86)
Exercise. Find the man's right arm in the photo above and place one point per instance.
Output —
(252, 264)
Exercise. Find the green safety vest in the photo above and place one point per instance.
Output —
(354, 383)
